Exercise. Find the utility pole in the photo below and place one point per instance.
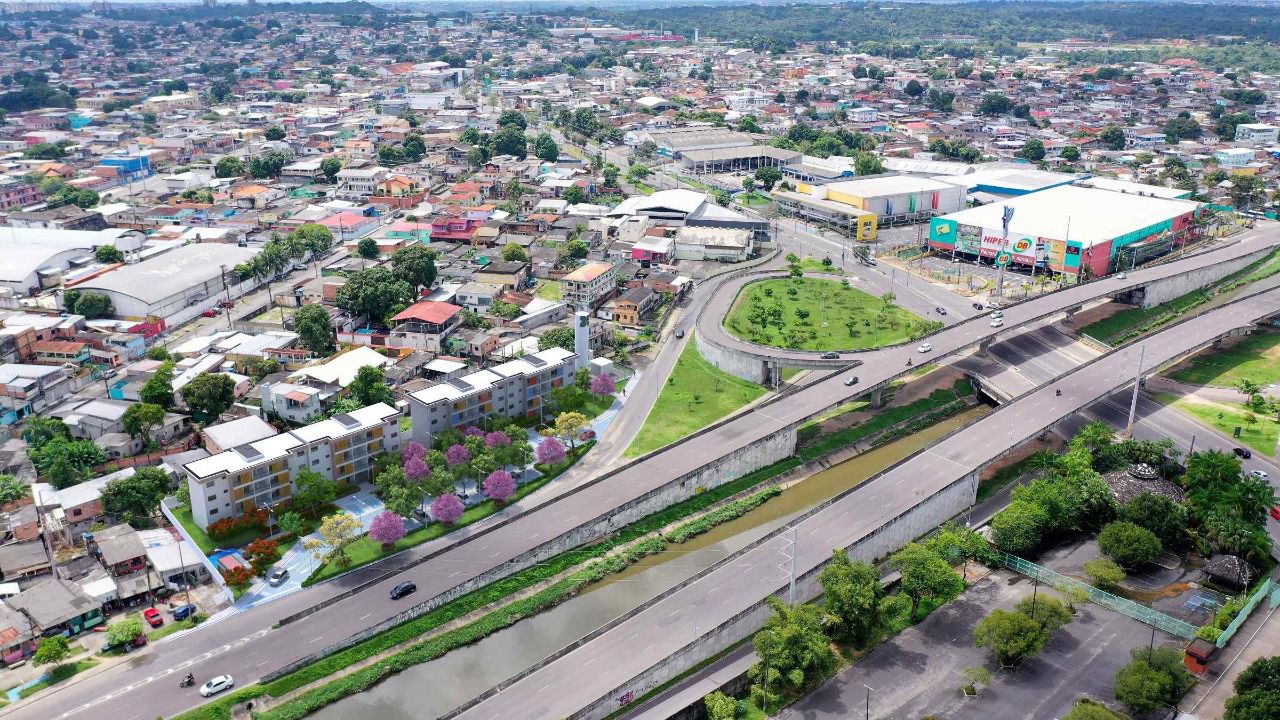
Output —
(1133, 401)
(1005, 218)
(869, 688)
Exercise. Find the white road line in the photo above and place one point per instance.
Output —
(316, 640)
(362, 617)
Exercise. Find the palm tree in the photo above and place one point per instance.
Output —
(1043, 460)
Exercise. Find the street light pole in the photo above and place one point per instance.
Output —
(1133, 401)
(869, 688)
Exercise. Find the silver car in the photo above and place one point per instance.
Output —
(216, 685)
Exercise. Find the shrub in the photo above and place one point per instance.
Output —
(1018, 528)
(1128, 544)
(1104, 573)
(238, 577)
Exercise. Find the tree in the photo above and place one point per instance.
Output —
(94, 305)
(768, 177)
(512, 252)
(604, 384)
(38, 431)
(291, 523)
(1181, 127)
(1128, 544)
(569, 424)
(924, 575)
(558, 337)
(1141, 687)
(367, 248)
(370, 387)
(1113, 137)
(415, 265)
(336, 533)
(108, 254)
(574, 195)
(158, 389)
(512, 118)
(447, 508)
(914, 88)
(238, 577)
(262, 554)
(994, 104)
(1263, 675)
(157, 352)
(1010, 636)
(312, 491)
(500, 485)
(797, 649)
(314, 329)
(545, 148)
(1032, 150)
(550, 451)
(867, 164)
(374, 292)
(274, 133)
(1019, 527)
(386, 529)
(330, 166)
(1163, 517)
(64, 462)
(1050, 612)
(134, 499)
(1070, 153)
(51, 651)
(11, 489)
(229, 167)
(141, 418)
(125, 631)
(209, 394)
(510, 140)
(720, 706)
(852, 594)
(1086, 710)
(1262, 705)
(1104, 573)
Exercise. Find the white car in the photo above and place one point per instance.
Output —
(216, 685)
(997, 315)
(998, 322)
(924, 348)
(1260, 474)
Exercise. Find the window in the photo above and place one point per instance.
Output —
(211, 498)
(213, 511)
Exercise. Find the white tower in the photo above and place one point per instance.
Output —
(582, 338)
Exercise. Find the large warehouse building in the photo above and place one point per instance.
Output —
(37, 258)
(1069, 228)
(176, 285)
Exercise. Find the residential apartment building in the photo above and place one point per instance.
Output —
(261, 473)
(590, 285)
(1257, 133)
(512, 389)
(360, 182)
(425, 325)
(26, 389)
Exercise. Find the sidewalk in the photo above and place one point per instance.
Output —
(1259, 637)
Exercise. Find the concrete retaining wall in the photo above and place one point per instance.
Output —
(745, 460)
(872, 548)
(733, 362)
(1162, 291)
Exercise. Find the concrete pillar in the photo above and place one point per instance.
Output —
(877, 399)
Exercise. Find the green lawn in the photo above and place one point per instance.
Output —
(57, 675)
(1133, 321)
(642, 188)
(1256, 357)
(548, 290)
(696, 395)
(208, 544)
(1260, 435)
(814, 265)
(753, 199)
(365, 551)
(820, 315)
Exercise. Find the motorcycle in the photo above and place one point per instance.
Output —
(187, 681)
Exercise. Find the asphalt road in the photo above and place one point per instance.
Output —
(244, 646)
(630, 647)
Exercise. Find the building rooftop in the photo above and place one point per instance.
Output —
(483, 379)
(162, 276)
(342, 369)
(429, 311)
(588, 272)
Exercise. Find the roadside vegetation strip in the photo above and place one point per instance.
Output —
(57, 675)
(939, 404)
(365, 551)
(697, 394)
(1255, 357)
(1257, 430)
(730, 511)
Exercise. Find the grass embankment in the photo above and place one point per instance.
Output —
(1001, 479)
(494, 592)
(208, 544)
(922, 413)
(696, 394)
(365, 551)
(817, 314)
(1128, 324)
(1255, 357)
(57, 675)
(1261, 434)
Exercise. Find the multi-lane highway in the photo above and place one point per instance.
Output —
(632, 646)
(240, 646)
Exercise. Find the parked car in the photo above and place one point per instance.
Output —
(830, 356)
(1240, 452)
(587, 434)
(216, 685)
(182, 612)
(1275, 513)
(851, 381)
(924, 348)
(209, 313)
(403, 589)
(226, 304)
(152, 616)
(979, 306)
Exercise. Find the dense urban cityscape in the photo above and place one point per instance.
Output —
(536, 360)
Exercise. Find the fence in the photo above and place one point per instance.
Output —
(1244, 613)
(1142, 613)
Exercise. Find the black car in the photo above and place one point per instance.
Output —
(940, 310)
(978, 306)
(403, 589)
(830, 356)
(182, 612)
(679, 333)
(1245, 453)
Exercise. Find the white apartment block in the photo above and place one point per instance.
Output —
(512, 389)
(360, 182)
(260, 473)
(1259, 133)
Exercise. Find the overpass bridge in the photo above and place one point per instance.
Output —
(725, 604)
(1147, 287)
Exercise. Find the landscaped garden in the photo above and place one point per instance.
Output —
(816, 314)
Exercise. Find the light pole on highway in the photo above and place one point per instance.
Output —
(869, 688)
(1133, 401)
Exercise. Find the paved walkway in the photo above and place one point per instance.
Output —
(1258, 638)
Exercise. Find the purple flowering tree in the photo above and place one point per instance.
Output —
(416, 469)
(473, 431)
(387, 528)
(414, 450)
(457, 455)
(604, 384)
(496, 438)
(500, 486)
(447, 508)
(550, 451)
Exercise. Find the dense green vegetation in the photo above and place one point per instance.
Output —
(923, 412)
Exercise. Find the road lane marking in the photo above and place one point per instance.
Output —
(316, 640)
(365, 616)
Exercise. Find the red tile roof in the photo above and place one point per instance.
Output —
(429, 311)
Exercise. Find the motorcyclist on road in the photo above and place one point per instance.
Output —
(909, 360)
(189, 679)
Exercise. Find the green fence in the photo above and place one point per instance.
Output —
(1171, 625)
(1244, 613)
